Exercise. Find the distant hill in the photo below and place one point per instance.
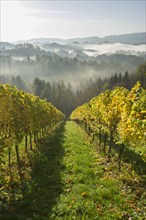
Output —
(6, 46)
(73, 59)
(134, 38)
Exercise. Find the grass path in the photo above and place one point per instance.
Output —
(79, 184)
(71, 180)
(90, 190)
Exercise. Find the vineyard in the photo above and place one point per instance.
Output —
(118, 117)
(74, 171)
(24, 121)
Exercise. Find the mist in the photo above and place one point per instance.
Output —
(53, 67)
(72, 60)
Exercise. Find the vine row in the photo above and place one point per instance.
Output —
(118, 117)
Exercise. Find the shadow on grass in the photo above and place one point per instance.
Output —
(45, 185)
(129, 156)
(133, 158)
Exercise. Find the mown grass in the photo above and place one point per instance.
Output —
(94, 188)
(72, 179)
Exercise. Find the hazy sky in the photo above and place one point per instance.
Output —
(24, 19)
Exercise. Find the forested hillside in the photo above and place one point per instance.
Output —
(72, 62)
(66, 98)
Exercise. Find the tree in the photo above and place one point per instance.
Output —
(38, 86)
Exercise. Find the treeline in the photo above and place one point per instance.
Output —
(15, 81)
(66, 98)
(117, 117)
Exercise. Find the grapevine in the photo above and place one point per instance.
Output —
(118, 115)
